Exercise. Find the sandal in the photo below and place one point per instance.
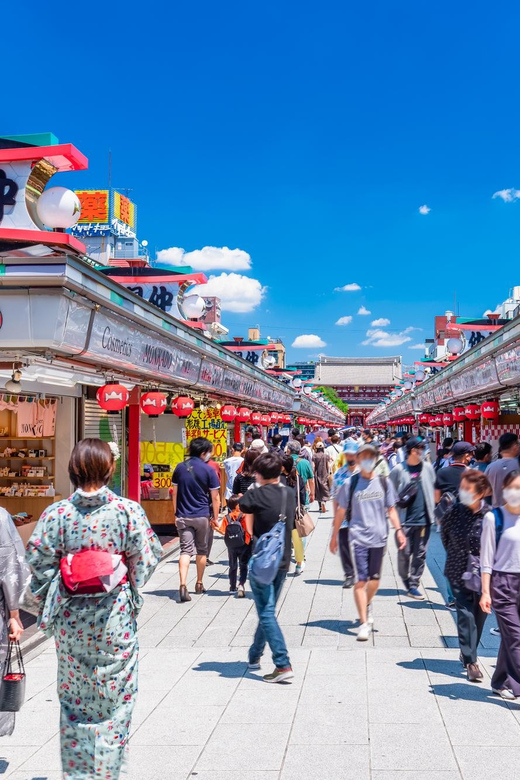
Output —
(183, 593)
(199, 588)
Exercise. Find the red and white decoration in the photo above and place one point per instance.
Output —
(228, 413)
(491, 410)
(112, 397)
(153, 404)
(183, 405)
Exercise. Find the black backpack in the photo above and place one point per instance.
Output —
(234, 535)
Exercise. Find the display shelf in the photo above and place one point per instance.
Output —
(19, 478)
(36, 457)
(27, 438)
(56, 497)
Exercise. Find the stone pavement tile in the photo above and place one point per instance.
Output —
(234, 774)
(334, 762)
(192, 725)
(389, 626)
(331, 662)
(425, 636)
(201, 691)
(248, 752)
(12, 758)
(487, 763)
(146, 702)
(216, 636)
(319, 691)
(390, 747)
(332, 724)
(455, 775)
(34, 726)
(173, 762)
(29, 774)
(325, 640)
(47, 757)
(400, 704)
(268, 704)
(419, 613)
(390, 641)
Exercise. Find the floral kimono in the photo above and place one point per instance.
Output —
(14, 577)
(96, 636)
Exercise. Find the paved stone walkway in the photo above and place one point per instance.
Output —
(397, 708)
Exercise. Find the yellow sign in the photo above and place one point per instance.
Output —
(162, 456)
(124, 209)
(94, 206)
(209, 424)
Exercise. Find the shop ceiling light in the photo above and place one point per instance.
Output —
(14, 385)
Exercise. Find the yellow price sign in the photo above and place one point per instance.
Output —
(162, 457)
(209, 424)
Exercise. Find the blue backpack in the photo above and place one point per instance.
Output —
(269, 549)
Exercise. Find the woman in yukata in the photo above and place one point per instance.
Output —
(14, 577)
(93, 618)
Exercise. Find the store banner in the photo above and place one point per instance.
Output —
(209, 424)
(158, 461)
(508, 366)
(481, 377)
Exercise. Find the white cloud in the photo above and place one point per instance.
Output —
(382, 322)
(209, 258)
(415, 346)
(344, 320)
(353, 287)
(237, 293)
(363, 310)
(381, 338)
(424, 209)
(308, 341)
(508, 196)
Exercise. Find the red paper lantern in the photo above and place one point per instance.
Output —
(228, 413)
(472, 411)
(153, 404)
(459, 414)
(274, 417)
(301, 421)
(287, 418)
(491, 410)
(243, 414)
(265, 419)
(447, 419)
(437, 420)
(183, 406)
(256, 418)
(113, 397)
(424, 418)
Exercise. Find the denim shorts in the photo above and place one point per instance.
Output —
(368, 561)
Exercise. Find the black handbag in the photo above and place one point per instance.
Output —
(12, 689)
(407, 495)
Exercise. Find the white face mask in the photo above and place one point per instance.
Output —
(466, 497)
(206, 457)
(367, 465)
(512, 496)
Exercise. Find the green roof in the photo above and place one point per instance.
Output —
(34, 139)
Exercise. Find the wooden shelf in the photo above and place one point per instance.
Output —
(27, 438)
(22, 479)
(51, 499)
(36, 457)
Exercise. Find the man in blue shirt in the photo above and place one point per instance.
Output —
(196, 499)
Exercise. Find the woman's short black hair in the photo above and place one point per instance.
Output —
(199, 446)
(482, 449)
(269, 465)
(91, 464)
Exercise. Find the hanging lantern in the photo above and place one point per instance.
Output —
(472, 411)
(455, 345)
(228, 413)
(243, 414)
(437, 420)
(287, 418)
(491, 410)
(274, 417)
(183, 406)
(153, 404)
(113, 397)
(265, 419)
(256, 418)
(301, 420)
(424, 418)
(459, 414)
(447, 419)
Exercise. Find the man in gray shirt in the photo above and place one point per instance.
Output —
(497, 471)
(365, 501)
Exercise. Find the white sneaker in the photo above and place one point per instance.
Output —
(370, 615)
(299, 567)
(241, 593)
(364, 632)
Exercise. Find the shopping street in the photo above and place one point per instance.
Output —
(398, 709)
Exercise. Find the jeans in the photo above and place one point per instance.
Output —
(268, 630)
(345, 552)
(470, 622)
(240, 555)
(412, 559)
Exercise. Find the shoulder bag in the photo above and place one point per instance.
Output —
(303, 522)
(12, 690)
(269, 550)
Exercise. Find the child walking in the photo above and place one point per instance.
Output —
(238, 543)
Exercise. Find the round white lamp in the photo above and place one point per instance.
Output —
(58, 207)
(193, 307)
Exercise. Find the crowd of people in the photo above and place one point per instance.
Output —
(91, 553)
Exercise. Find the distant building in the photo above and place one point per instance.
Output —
(361, 382)
(306, 369)
(268, 353)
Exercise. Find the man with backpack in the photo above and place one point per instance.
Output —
(413, 481)
(365, 500)
(238, 543)
(269, 510)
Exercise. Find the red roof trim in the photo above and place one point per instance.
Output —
(46, 237)
(65, 157)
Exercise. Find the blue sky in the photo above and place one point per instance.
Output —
(305, 135)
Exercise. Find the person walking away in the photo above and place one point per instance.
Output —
(346, 470)
(401, 453)
(291, 479)
(482, 456)
(500, 567)
(238, 543)
(461, 534)
(95, 632)
(413, 481)
(245, 478)
(215, 465)
(14, 577)
(333, 452)
(276, 442)
(392, 456)
(382, 468)
(306, 450)
(196, 500)
(304, 469)
(365, 501)
(497, 472)
(262, 508)
(231, 466)
(447, 480)
(447, 447)
(321, 475)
